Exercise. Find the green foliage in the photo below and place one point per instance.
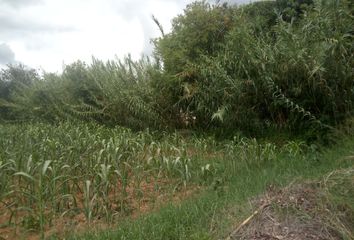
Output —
(14, 80)
(116, 92)
(52, 172)
(214, 213)
(269, 66)
(286, 76)
(199, 31)
(285, 64)
(49, 171)
(293, 9)
(262, 14)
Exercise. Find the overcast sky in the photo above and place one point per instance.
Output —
(45, 34)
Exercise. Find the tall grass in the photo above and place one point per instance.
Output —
(116, 92)
(270, 65)
(286, 77)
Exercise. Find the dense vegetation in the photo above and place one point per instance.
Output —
(54, 179)
(71, 154)
(267, 65)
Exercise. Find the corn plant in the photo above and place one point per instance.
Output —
(50, 172)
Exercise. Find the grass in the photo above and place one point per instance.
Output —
(60, 180)
(212, 214)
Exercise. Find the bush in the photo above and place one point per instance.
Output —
(298, 74)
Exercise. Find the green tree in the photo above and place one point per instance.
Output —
(13, 80)
(200, 31)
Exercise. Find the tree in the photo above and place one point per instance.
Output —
(13, 80)
(199, 31)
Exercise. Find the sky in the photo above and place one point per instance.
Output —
(47, 34)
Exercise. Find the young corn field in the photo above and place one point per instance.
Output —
(76, 174)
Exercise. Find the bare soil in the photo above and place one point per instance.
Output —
(305, 211)
(151, 201)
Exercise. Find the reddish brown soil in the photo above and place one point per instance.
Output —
(152, 199)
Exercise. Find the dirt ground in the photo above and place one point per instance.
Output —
(321, 210)
(77, 223)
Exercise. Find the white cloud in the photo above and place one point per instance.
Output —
(6, 54)
(47, 33)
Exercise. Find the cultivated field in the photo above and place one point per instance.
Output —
(56, 179)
